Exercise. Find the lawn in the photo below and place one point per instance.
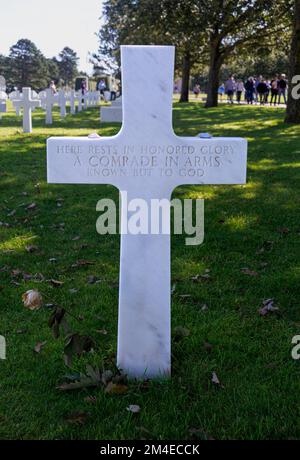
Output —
(254, 227)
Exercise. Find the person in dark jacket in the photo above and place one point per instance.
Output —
(250, 89)
(262, 91)
(274, 90)
(282, 85)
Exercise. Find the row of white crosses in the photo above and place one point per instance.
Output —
(28, 100)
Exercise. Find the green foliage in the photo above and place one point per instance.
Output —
(27, 66)
(67, 64)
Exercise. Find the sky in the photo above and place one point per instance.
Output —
(52, 25)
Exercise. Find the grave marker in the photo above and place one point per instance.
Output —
(27, 104)
(146, 136)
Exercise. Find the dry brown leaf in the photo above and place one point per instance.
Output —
(116, 389)
(38, 347)
(32, 299)
(31, 248)
(77, 418)
(56, 283)
(249, 272)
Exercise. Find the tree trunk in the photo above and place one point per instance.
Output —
(293, 105)
(186, 70)
(215, 63)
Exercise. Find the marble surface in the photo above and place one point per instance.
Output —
(146, 160)
(73, 97)
(112, 113)
(62, 102)
(27, 104)
(49, 100)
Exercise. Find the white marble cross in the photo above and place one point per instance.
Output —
(79, 96)
(73, 97)
(146, 138)
(62, 102)
(27, 104)
(49, 100)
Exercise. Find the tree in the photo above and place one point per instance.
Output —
(202, 30)
(293, 105)
(26, 65)
(67, 63)
(236, 26)
(146, 22)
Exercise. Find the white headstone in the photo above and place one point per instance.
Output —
(62, 102)
(15, 95)
(80, 97)
(49, 100)
(73, 97)
(146, 135)
(3, 98)
(27, 104)
(112, 113)
(2, 83)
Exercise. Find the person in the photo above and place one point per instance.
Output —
(262, 90)
(239, 90)
(250, 89)
(196, 90)
(229, 89)
(274, 90)
(102, 86)
(53, 87)
(221, 91)
(282, 84)
(268, 83)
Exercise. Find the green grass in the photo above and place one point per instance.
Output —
(259, 397)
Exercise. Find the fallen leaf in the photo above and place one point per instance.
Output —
(76, 344)
(116, 388)
(56, 319)
(77, 418)
(55, 283)
(249, 272)
(283, 230)
(82, 262)
(268, 307)
(31, 248)
(207, 347)
(106, 377)
(90, 399)
(31, 206)
(102, 331)
(180, 332)
(92, 279)
(38, 347)
(134, 408)
(215, 380)
(32, 299)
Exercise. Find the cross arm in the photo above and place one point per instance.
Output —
(81, 160)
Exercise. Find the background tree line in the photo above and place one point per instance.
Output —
(27, 66)
(252, 36)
